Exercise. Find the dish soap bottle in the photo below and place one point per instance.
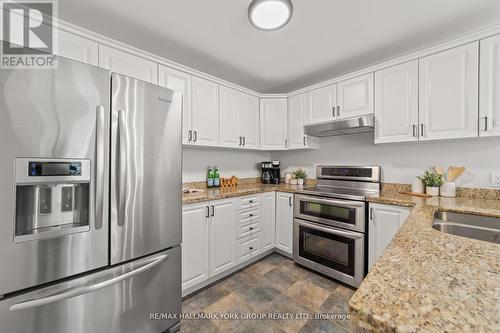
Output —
(210, 178)
(216, 177)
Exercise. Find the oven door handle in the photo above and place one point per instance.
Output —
(342, 203)
(331, 230)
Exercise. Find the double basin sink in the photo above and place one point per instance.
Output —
(468, 225)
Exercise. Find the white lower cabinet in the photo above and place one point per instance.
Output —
(284, 221)
(195, 254)
(249, 247)
(268, 218)
(222, 236)
(383, 224)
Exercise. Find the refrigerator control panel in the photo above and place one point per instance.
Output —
(40, 169)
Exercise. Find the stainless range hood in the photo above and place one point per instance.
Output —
(361, 124)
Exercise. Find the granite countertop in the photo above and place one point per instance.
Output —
(236, 191)
(429, 281)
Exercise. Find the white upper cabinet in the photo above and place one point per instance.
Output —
(448, 94)
(489, 94)
(229, 110)
(297, 115)
(249, 123)
(355, 97)
(181, 82)
(128, 64)
(322, 102)
(205, 106)
(77, 48)
(273, 123)
(396, 103)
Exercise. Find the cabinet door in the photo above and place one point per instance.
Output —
(78, 48)
(222, 236)
(297, 113)
(273, 123)
(229, 113)
(396, 103)
(384, 223)
(128, 64)
(321, 104)
(355, 97)
(489, 94)
(448, 94)
(268, 220)
(179, 81)
(205, 112)
(195, 250)
(284, 221)
(249, 121)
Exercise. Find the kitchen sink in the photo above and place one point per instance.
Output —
(468, 225)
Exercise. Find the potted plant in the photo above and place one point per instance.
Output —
(432, 182)
(300, 175)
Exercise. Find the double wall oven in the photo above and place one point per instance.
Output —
(330, 222)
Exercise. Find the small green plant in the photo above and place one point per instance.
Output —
(432, 179)
(300, 174)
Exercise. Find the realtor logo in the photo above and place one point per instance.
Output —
(28, 34)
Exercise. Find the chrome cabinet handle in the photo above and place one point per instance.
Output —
(250, 201)
(77, 291)
(422, 130)
(244, 141)
(250, 248)
(190, 135)
(371, 213)
(305, 144)
(286, 143)
(338, 111)
(213, 210)
(333, 111)
(486, 124)
(195, 136)
(415, 128)
(207, 212)
(122, 167)
(251, 228)
(290, 201)
(99, 162)
(239, 138)
(250, 215)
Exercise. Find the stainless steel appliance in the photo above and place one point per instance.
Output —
(91, 217)
(330, 221)
(354, 125)
(271, 172)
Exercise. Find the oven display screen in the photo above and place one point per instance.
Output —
(40, 169)
(347, 172)
(329, 212)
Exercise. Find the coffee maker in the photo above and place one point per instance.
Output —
(270, 172)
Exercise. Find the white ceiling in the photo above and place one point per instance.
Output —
(325, 38)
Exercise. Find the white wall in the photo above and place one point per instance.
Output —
(401, 162)
(243, 164)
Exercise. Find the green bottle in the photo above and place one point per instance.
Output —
(216, 177)
(210, 178)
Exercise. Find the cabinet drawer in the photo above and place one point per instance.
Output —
(249, 202)
(248, 229)
(249, 216)
(248, 247)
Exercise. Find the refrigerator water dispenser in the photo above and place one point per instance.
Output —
(52, 198)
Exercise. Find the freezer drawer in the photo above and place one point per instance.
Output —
(120, 299)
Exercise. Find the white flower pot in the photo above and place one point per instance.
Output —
(434, 191)
(448, 189)
(300, 181)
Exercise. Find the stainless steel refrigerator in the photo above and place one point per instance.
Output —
(90, 205)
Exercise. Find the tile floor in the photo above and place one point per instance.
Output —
(271, 285)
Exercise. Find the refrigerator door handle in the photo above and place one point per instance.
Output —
(85, 290)
(122, 168)
(99, 162)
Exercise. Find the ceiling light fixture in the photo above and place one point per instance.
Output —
(270, 15)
